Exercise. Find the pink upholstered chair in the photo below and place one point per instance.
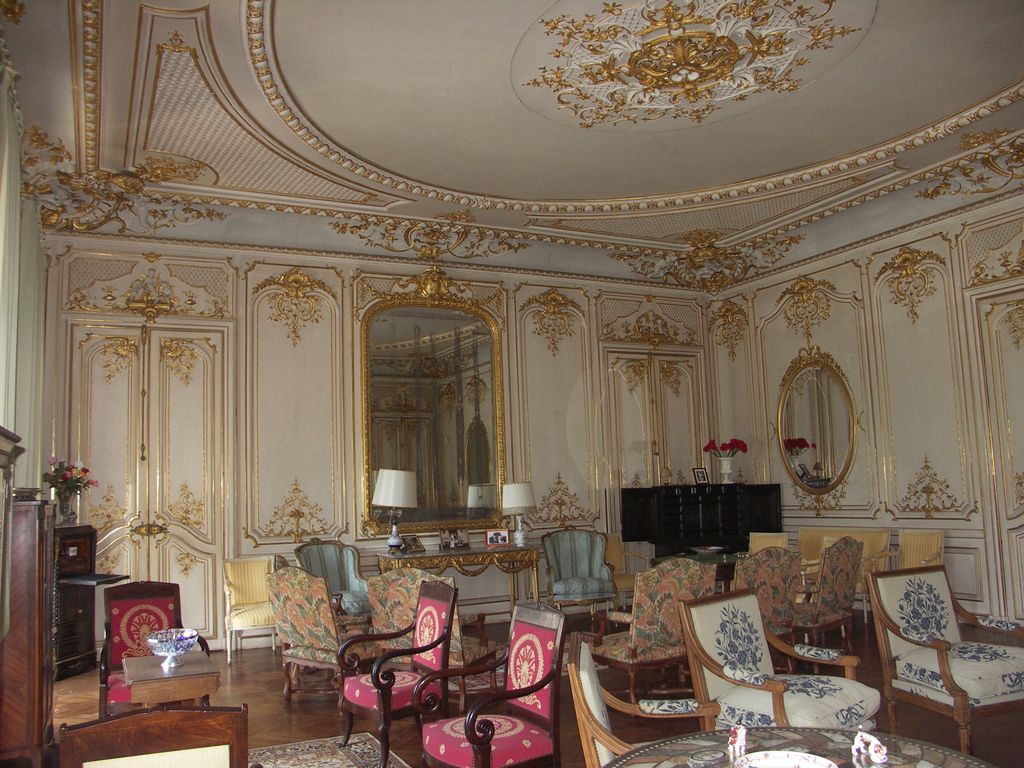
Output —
(526, 733)
(134, 610)
(385, 694)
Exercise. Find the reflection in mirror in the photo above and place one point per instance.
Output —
(816, 426)
(431, 377)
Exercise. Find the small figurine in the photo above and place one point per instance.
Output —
(864, 744)
(737, 742)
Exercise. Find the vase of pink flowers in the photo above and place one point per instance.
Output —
(724, 452)
(68, 480)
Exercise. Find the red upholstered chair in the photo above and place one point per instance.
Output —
(134, 610)
(386, 692)
(526, 732)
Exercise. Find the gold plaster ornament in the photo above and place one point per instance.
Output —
(807, 304)
(911, 281)
(188, 510)
(108, 513)
(1018, 488)
(1015, 324)
(820, 503)
(295, 300)
(998, 161)
(12, 10)
(117, 357)
(429, 239)
(186, 562)
(927, 495)
(561, 506)
(643, 61)
(635, 374)
(554, 316)
(296, 516)
(728, 323)
(671, 374)
(180, 356)
(73, 201)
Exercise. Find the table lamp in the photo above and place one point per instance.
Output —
(517, 500)
(479, 496)
(395, 490)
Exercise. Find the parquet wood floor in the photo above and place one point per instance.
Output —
(254, 678)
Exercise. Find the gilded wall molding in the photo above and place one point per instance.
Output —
(635, 374)
(148, 289)
(295, 300)
(108, 514)
(180, 357)
(186, 562)
(188, 510)
(638, 62)
(729, 321)
(296, 517)
(670, 372)
(429, 238)
(1015, 323)
(561, 506)
(996, 159)
(807, 305)
(995, 252)
(71, 201)
(706, 265)
(12, 10)
(929, 495)
(118, 355)
(820, 503)
(646, 321)
(1018, 489)
(431, 288)
(911, 282)
(554, 316)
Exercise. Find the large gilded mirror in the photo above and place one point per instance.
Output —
(816, 425)
(432, 391)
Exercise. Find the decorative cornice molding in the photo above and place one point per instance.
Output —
(998, 156)
(428, 238)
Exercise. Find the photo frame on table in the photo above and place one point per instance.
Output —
(700, 476)
(412, 544)
(454, 538)
(496, 537)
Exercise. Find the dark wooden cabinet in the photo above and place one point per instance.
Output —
(675, 517)
(26, 652)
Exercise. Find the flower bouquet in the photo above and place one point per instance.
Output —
(67, 480)
(725, 449)
(796, 445)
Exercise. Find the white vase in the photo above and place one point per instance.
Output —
(725, 469)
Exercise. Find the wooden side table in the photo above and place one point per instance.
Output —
(195, 677)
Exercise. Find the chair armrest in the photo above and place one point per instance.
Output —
(203, 644)
(663, 709)
(816, 655)
(385, 678)
(427, 703)
(619, 617)
(636, 554)
(349, 662)
(996, 623)
(479, 730)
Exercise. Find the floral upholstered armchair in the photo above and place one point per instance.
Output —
(653, 637)
(773, 574)
(731, 666)
(925, 659)
(578, 573)
(309, 631)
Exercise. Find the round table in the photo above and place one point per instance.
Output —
(699, 749)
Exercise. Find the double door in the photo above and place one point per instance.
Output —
(147, 414)
(657, 422)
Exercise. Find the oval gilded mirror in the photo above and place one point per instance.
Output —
(816, 426)
(432, 404)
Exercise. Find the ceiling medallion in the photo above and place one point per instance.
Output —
(429, 238)
(642, 61)
(707, 266)
(84, 202)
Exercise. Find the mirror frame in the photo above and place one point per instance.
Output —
(433, 290)
(814, 357)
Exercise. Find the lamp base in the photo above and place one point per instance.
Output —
(395, 542)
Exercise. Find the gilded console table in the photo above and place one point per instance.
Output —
(472, 561)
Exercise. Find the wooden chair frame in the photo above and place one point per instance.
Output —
(383, 677)
(156, 730)
(961, 710)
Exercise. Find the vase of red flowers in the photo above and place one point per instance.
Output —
(724, 452)
(68, 480)
(796, 445)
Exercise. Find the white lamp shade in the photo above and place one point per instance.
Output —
(478, 496)
(517, 496)
(395, 488)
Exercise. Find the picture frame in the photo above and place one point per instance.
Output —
(496, 537)
(412, 544)
(457, 538)
(444, 538)
(700, 476)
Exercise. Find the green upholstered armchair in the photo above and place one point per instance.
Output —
(339, 564)
(577, 571)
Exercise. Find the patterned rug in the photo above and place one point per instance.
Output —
(363, 751)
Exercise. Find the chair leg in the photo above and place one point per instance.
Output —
(632, 685)
(890, 709)
(348, 728)
(384, 737)
(227, 633)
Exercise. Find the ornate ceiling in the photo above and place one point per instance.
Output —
(694, 143)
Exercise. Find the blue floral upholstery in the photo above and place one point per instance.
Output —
(728, 630)
(577, 571)
(917, 621)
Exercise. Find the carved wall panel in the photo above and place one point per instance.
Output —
(556, 413)
(923, 439)
(653, 321)
(994, 250)
(295, 478)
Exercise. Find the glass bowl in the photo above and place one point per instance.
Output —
(172, 643)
